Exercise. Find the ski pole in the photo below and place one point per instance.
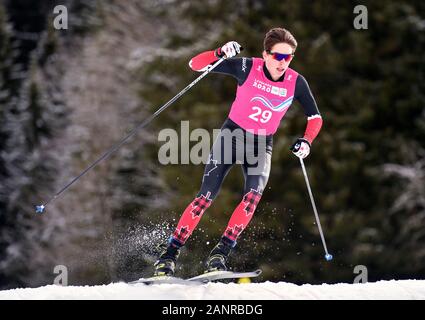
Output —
(40, 208)
(328, 256)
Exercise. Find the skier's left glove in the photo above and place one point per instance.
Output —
(301, 148)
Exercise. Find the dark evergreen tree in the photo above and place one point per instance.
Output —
(9, 86)
(31, 115)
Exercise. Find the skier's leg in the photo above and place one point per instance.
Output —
(190, 218)
(239, 220)
(214, 175)
(253, 190)
(216, 169)
(256, 177)
(220, 161)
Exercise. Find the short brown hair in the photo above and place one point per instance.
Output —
(277, 35)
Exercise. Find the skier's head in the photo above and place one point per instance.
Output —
(279, 49)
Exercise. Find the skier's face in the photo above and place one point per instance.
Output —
(280, 51)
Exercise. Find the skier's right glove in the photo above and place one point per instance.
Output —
(229, 50)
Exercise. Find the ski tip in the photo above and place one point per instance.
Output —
(258, 272)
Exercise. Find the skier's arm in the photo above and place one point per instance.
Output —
(314, 119)
(236, 67)
(203, 60)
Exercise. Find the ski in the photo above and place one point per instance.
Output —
(160, 280)
(198, 280)
(222, 275)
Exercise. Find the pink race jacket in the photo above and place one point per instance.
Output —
(260, 103)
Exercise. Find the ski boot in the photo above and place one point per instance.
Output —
(166, 264)
(217, 260)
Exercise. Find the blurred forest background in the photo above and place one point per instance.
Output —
(66, 96)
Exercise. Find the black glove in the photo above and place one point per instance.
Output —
(301, 148)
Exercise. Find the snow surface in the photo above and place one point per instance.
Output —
(385, 290)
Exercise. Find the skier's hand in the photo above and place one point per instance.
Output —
(229, 50)
(301, 148)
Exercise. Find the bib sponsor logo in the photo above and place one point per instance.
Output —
(281, 92)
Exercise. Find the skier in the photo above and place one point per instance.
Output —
(266, 89)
